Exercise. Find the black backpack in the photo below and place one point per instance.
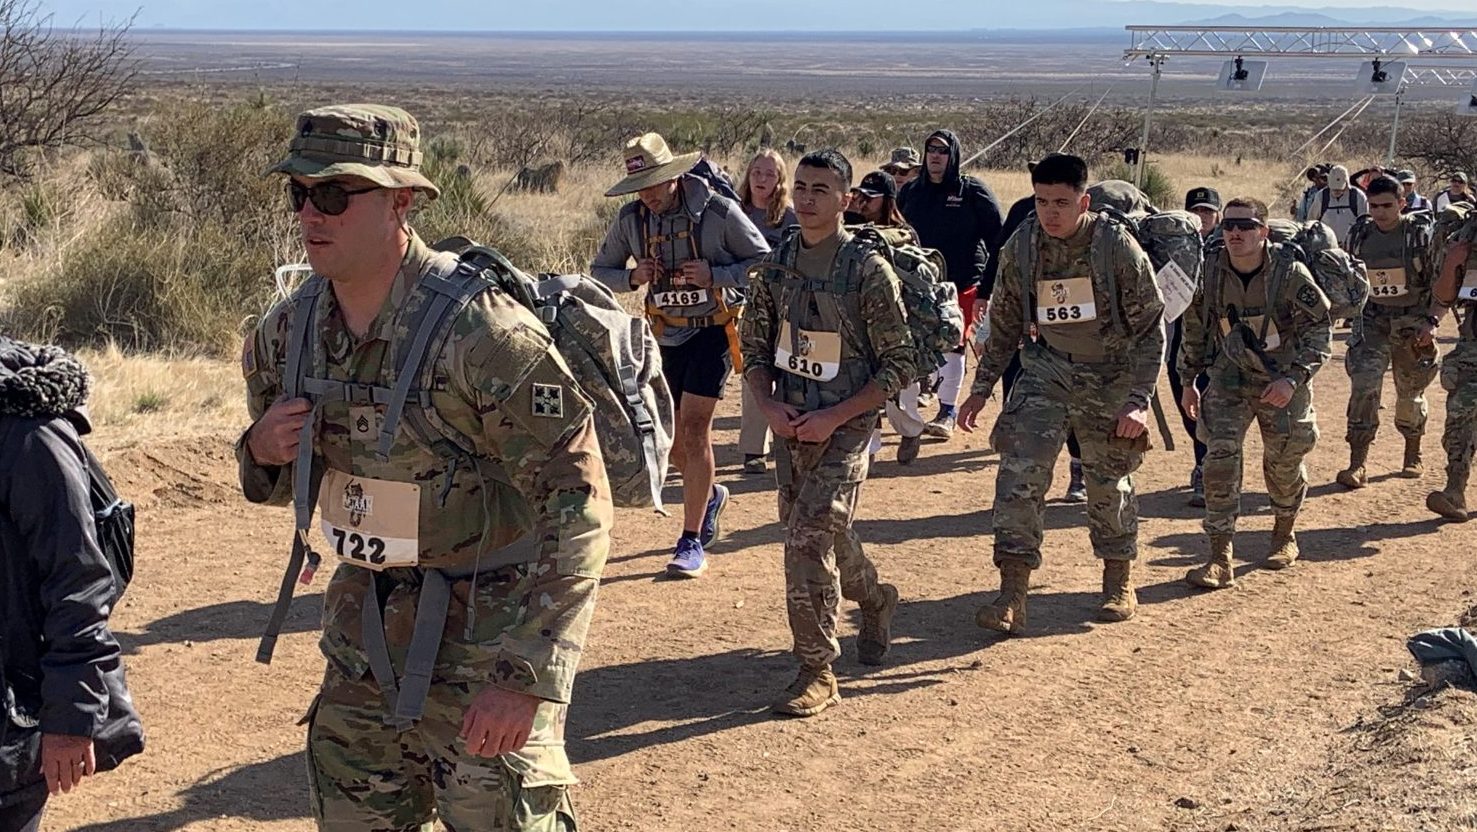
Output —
(113, 519)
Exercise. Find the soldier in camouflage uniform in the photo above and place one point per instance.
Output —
(1081, 279)
(414, 721)
(825, 343)
(1457, 285)
(1259, 325)
(1398, 329)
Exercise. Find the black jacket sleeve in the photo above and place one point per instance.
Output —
(52, 511)
(988, 222)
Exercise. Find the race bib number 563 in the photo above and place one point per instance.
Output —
(371, 523)
(1065, 301)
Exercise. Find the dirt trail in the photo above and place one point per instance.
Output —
(1255, 709)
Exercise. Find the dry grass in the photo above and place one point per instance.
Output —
(144, 397)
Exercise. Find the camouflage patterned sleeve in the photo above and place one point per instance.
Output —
(1192, 359)
(1007, 327)
(1142, 306)
(887, 326)
(270, 484)
(609, 266)
(1311, 326)
(539, 425)
(758, 326)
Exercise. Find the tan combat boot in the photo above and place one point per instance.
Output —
(812, 691)
(1354, 477)
(1119, 599)
(1284, 544)
(1008, 612)
(1449, 503)
(1217, 573)
(1413, 467)
(875, 638)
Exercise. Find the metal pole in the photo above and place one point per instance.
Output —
(1157, 61)
(1395, 129)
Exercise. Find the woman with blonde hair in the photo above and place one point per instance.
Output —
(765, 194)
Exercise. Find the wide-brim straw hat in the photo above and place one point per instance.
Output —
(378, 143)
(650, 162)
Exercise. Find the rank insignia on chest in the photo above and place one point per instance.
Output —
(548, 401)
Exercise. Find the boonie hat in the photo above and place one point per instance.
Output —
(650, 162)
(903, 158)
(380, 143)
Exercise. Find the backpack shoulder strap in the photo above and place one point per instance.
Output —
(1027, 263)
(300, 343)
(1324, 197)
(1105, 242)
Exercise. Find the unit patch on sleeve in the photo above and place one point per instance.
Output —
(548, 401)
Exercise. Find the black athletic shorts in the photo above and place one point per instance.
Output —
(699, 366)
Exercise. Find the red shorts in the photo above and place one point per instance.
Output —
(966, 305)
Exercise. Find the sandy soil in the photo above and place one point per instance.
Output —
(1274, 706)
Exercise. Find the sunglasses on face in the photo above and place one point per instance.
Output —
(1246, 224)
(330, 198)
(937, 150)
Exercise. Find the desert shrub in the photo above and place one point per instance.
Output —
(1157, 184)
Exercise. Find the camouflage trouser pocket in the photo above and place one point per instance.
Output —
(1139, 444)
(542, 808)
(1451, 374)
(1002, 435)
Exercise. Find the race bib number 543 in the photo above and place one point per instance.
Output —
(371, 523)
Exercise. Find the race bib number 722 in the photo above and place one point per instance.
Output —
(371, 523)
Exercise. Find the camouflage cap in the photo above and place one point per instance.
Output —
(379, 143)
(903, 158)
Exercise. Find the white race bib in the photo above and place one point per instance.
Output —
(818, 356)
(681, 297)
(1065, 301)
(371, 523)
(1177, 288)
(1254, 323)
(1469, 286)
(1387, 283)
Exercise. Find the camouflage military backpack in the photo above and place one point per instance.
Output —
(1418, 235)
(1340, 275)
(1455, 222)
(931, 301)
(614, 358)
(1170, 238)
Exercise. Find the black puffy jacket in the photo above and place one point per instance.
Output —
(61, 671)
(959, 216)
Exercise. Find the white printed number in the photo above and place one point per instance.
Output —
(360, 547)
(1061, 314)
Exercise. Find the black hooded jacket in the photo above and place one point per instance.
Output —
(959, 216)
(61, 671)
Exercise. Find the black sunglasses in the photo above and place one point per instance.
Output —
(937, 150)
(1247, 224)
(330, 198)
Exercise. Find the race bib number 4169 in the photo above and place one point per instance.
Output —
(371, 523)
(681, 297)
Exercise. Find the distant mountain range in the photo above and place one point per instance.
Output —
(1350, 17)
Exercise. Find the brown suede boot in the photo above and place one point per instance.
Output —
(1354, 477)
(1008, 612)
(1413, 467)
(1119, 599)
(1449, 504)
(1284, 551)
(875, 637)
(1217, 573)
(812, 691)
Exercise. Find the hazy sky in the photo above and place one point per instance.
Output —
(668, 14)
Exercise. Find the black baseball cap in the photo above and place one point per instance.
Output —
(877, 183)
(1203, 198)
